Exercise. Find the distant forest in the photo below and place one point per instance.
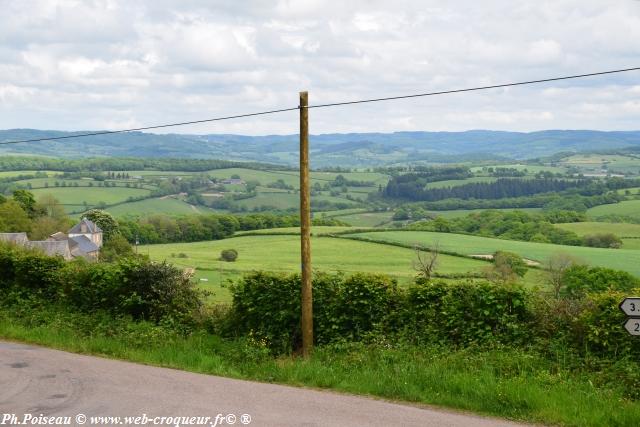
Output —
(16, 163)
(403, 187)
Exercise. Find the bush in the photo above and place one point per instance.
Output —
(579, 280)
(466, 313)
(345, 308)
(134, 287)
(229, 255)
(356, 307)
(602, 240)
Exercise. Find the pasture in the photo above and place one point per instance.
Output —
(162, 205)
(282, 254)
(619, 229)
(74, 197)
(367, 219)
(627, 260)
(629, 208)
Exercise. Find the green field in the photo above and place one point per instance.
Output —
(619, 229)
(533, 169)
(629, 208)
(464, 212)
(627, 260)
(168, 205)
(292, 177)
(367, 219)
(457, 182)
(282, 254)
(9, 174)
(73, 197)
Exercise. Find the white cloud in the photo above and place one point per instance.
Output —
(69, 64)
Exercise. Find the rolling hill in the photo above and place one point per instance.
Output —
(355, 149)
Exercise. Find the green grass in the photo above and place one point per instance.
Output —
(627, 260)
(169, 206)
(282, 254)
(629, 208)
(619, 229)
(8, 174)
(92, 195)
(292, 178)
(316, 230)
(367, 219)
(458, 182)
(283, 200)
(464, 212)
(532, 169)
(503, 382)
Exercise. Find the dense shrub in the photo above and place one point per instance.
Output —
(602, 240)
(268, 306)
(466, 313)
(352, 307)
(229, 255)
(581, 279)
(135, 287)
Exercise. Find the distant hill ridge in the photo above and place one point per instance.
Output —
(350, 149)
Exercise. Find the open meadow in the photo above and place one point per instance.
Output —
(627, 260)
(282, 254)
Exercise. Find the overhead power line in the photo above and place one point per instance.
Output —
(109, 132)
(444, 92)
(334, 104)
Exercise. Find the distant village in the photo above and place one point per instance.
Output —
(83, 240)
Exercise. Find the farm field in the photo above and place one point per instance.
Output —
(281, 254)
(75, 196)
(292, 177)
(8, 174)
(457, 182)
(464, 212)
(316, 230)
(530, 168)
(627, 260)
(367, 219)
(629, 208)
(168, 205)
(619, 229)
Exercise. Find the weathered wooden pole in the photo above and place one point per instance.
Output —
(305, 229)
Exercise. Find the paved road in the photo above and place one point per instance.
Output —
(35, 380)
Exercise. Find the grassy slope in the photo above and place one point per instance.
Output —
(628, 260)
(367, 219)
(619, 229)
(464, 212)
(627, 208)
(281, 253)
(92, 195)
(169, 206)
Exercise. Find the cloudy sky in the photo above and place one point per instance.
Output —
(110, 64)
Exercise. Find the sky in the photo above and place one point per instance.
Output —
(110, 64)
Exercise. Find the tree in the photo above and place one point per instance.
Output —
(507, 267)
(556, 266)
(426, 261)
(115, 248)
(105, 221)
(26, 201)
(13, 219)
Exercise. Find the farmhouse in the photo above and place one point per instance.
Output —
(232, 181)
(83, 240)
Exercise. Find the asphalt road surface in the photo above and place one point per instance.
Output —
(44, 383)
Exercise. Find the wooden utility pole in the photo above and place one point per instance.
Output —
(305, 229)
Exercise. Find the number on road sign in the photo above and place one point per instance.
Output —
(632, 326)
(631, 306)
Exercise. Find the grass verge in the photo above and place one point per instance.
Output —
(503, 382)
